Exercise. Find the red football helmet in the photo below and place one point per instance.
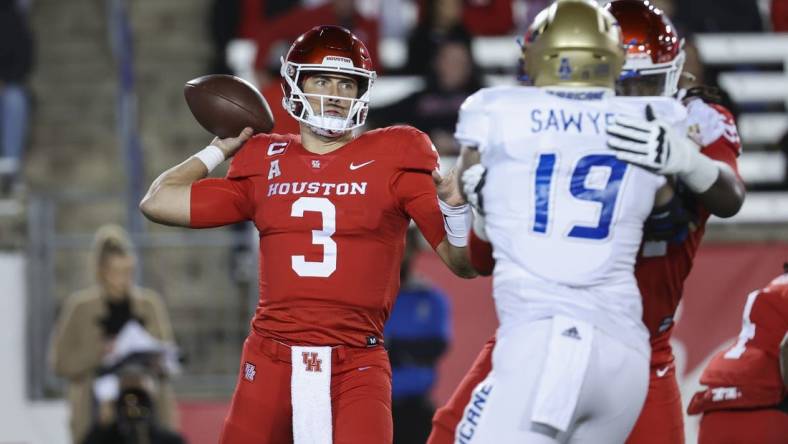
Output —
(655, 54)
(330, 49)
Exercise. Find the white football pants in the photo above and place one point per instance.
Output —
(557, 380)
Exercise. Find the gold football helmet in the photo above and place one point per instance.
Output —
(573, 43)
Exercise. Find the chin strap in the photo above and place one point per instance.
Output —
(327, 126)
(326, 133)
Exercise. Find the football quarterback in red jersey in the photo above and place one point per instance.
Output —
(709, 185)
(746, 399)
(332, 210)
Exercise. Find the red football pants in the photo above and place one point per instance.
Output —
(261, 410)
(662, 419)
(446, 418)
(762, 426)
(660, 422)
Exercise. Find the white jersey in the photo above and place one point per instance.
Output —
(565, 217)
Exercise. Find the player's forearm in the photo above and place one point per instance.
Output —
(726, 196)
(168, 199)
(457, 259)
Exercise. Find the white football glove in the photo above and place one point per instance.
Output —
(654, 145)
(472, 183)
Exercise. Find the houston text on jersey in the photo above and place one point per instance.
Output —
(319, 188)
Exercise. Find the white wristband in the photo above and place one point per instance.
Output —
(702, 174)
(457, 221)
(211, 156)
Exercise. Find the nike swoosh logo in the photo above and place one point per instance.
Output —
(361, 369)
(354, 167)
(662, 371)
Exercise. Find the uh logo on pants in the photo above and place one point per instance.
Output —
(312, 362)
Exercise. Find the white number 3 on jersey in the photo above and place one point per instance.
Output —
(328, 265)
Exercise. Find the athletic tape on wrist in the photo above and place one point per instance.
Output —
(211, 156)
(457, 221)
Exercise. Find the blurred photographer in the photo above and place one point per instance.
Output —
(89, 324)
(128, 414)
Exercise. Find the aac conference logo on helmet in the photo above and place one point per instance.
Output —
(564, 70)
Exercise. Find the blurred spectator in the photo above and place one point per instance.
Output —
(257, 14)
(224, 21)
(231, 19)
(132, 417)
(779, 15)
(295, 21)
(92, 318)
(417, 335)
(393, 21)
(16, 60)
(699, 16)
(525, 13)
(439, 20)
(480, 17)
(452, 77)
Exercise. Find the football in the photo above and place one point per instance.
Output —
(225, 104)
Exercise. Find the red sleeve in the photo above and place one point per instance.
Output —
(730, 133)
(413, 185)
(722, 150)
(481, 255)
(417, 196)
(417, 153)
(248, 161)
(217, 202)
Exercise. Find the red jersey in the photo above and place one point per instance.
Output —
(747, 374)
(662, 267)
(332, 228)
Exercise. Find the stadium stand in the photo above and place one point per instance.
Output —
(75, 174)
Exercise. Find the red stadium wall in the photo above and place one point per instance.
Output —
(709, 318)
